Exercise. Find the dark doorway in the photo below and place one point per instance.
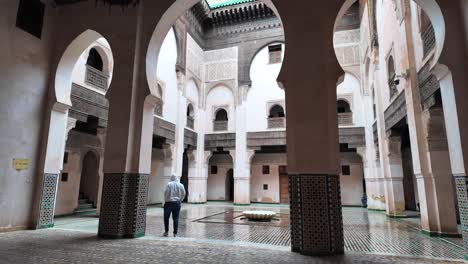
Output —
(230, 185)
(408, 174)
(284, 185)
(89, 181)
(184, 179)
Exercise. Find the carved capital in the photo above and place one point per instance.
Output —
(168, 150)
(181, 79)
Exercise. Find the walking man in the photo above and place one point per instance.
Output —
(173, 196)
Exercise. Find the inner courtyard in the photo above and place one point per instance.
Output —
(301, 131)
(219, 226)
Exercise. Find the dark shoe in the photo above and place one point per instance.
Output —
(165, 234)
(175, 235)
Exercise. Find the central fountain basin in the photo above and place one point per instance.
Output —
(259, 215)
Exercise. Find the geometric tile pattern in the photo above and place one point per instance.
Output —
(47, 204)
(316, 217)
(365, 232)
(64, 246)
(123, 205)
(461, 183)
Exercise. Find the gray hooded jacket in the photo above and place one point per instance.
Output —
(175, 191)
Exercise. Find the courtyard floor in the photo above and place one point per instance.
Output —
(216, 233)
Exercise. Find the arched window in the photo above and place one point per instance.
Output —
(374, 106)
(276, 111)
(343, 107)
(190, 110)
(95, 60)
(276, 117)
(391, 68)
(190, 116)
(392, 76)
(221, 120)
(221, 115)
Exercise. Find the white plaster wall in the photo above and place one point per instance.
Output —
(79, 72)
(372, 172)
(78, 145)
(350, 91)
(217, 182)
(24, 75)
(390, 42)
(67, 193)
(352, 186)
(167, 76)
(157, 182)
(220, 96)
(264, 89)
(416, 35)
(258, 179)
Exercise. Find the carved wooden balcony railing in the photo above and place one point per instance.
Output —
(276, 122)
(220, 125)
(190, 122)
(345, 119)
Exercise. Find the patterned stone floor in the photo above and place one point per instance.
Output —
(212, 234)
(63, 246)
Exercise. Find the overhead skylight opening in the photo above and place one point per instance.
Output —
(222, 3)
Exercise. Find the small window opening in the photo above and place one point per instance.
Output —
(392, 82)
(221, 115)
(266, 169)
(276, 111)
(30, 17)
(265, 187)
(64, 177)
(214, 169)
(65, 158)
(345, 170)
(276, 52)
(95, 60)
(343, 107)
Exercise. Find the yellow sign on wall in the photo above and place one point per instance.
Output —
(20, 164)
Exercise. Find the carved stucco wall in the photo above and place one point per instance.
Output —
(347, 47)
(195, 58)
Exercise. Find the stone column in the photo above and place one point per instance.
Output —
(57, 133)
(127, 162)
(453, 82)
(197, 179)
(312, 122)
(101, 134)
(242, 178)
(394, 192)
(455, 147)
(440, 188)
(429, 164)
(167, 171)
(181, 124)
(241, 159)
(198, 169)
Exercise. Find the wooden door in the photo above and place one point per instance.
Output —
(284, 185)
